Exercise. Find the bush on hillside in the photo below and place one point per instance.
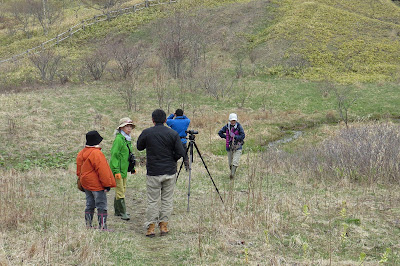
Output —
(96, 62)
(47, 63)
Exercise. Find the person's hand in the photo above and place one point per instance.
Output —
(118, 176)
(133, 171)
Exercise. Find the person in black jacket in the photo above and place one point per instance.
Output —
(163, 150)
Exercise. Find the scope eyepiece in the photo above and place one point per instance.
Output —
(192, 132)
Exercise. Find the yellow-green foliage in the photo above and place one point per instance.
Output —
(345, 41)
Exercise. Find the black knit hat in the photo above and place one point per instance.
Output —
(93, 138)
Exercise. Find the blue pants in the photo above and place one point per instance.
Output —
(96, 199)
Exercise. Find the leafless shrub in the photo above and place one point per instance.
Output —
(173, 45)
(242, 93)
(253, 56)
(47, 12)
(82, 73)
(345, 97)
(103, 5)
(182, 42)
(47, 62)
(365, 154)
(331, 117)
(96, 62)
(64, 77)
(212, 81)
(23, 14)
(159, 85)
(129, 57)
(11, 125)
(266, 97)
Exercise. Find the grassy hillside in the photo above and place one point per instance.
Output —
(345, 41)
(341, 41)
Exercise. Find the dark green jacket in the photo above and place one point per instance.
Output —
(119, 155)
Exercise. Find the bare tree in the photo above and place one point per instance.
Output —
(96, 62)
(129, 57)
(173, 46)
(103, 5)
(253, 56)
(212, 81)
(242, 94)
(23, 14)
(159, 85)
(131, 92)
(345, 97)
(47, 62)
(183, 41)
(47, 12)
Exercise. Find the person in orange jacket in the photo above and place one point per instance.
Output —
(96, 178)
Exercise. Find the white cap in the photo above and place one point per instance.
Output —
(233, 116)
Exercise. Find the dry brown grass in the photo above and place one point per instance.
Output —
(263, 221)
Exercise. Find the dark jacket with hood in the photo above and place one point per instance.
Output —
(236, 131)
(163, 148)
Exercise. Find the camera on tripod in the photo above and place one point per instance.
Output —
(192, 132)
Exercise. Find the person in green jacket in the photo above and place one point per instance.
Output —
(119, 164)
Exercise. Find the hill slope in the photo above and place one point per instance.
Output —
(341, 40)
(344, 41)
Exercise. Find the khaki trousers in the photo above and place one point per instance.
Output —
(234, 157)
(160, 198)
(120, 188)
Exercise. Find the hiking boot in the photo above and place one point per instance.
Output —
(163, 228)
(89, 218)
(150, 230)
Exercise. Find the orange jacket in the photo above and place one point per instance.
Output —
(93, 170)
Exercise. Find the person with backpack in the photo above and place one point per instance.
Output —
(234, 135)
(96, 179)
(119, 163)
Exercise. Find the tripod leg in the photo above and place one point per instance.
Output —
(201, 157)
(190, 147)
(180, 168)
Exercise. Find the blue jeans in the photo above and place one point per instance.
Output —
(96, 199)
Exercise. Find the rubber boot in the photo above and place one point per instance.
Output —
(89, 218)
(163, 228)
(117, 208)
(150, 230)
(102, 218)
(233, 171)
(124, 215)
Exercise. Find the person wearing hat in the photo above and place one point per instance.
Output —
(96, 178)
(234, 134)
(119, 164)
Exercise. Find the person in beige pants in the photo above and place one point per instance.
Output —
(163, 149)
(234, 135)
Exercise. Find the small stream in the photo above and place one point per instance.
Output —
(296, 135)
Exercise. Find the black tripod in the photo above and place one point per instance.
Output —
(190, 150)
